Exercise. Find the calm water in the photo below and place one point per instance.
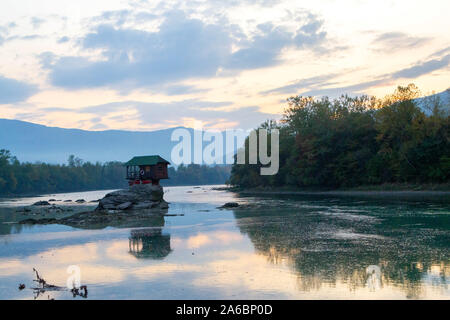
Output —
(283, 248)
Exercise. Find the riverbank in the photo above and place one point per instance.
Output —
(375, 190)
(53, 193)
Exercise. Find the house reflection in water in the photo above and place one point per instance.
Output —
(149, 243)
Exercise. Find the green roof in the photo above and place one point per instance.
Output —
(146, 161)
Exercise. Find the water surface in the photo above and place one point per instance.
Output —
(289, 247)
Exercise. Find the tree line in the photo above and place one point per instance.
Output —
(195, 174)
(17, 178)
(355, 141)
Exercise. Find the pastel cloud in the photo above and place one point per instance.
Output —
(181, 48)
(153, 64)
(398, 40)
(326, 84)
(423, 67)
(12, 91)
(175, 113)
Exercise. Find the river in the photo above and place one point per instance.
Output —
(275, 247)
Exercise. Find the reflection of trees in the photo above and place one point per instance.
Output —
(7, 217)
(406, 251)
(149, 243)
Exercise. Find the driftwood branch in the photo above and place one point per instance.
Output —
(45, 286)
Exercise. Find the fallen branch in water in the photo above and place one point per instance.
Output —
(44, 287)
(43, 283)
(82, 292)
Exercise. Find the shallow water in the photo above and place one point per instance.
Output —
(290, 247)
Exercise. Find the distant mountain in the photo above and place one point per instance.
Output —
(31, 142)
(443, 98)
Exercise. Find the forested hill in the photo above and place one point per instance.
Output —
(349, 142)
(18, 178)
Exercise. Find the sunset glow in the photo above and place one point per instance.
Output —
(146, 65)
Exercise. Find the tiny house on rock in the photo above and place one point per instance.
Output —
(146, 169)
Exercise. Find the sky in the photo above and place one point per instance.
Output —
(148, 65)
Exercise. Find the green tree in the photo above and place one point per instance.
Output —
(353, 141)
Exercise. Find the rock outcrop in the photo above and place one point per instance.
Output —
(137, 197)
(133, 207)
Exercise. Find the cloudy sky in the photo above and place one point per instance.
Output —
(145, 65)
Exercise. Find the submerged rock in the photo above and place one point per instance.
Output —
(39, 221)
(230, 205)
(41, 203)
(103, 219)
